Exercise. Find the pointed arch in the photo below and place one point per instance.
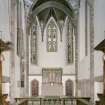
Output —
(52, 35)
(69, 87)
(35, 87)
(53, 4)
(55, 22)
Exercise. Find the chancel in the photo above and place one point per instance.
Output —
(56, 53)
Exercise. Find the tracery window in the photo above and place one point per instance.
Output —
(51, 36)
(69, 88)
(34, 87)
(34, 43)
(70, 43)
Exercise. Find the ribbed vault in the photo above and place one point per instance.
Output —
(44, 9)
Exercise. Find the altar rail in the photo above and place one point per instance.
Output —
(53, 101)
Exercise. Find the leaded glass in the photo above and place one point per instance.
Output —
(70, 43)
(52, 37)
(34, 88)
(34, 44)
(69, 88)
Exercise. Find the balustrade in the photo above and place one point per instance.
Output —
(53, 101)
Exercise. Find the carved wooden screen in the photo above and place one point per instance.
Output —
(34, 88)
(52, 76)
(69, 88)
(52, 37)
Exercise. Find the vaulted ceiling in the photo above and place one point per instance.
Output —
(39, 2)
(59, 9)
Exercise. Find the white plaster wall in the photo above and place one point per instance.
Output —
(81, 30)
(98, 63)
(84, 68)
(69, 69)
(38, 78)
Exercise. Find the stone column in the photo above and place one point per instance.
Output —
(12, 23)
(92, 51)
(76, 45)
(27, 55)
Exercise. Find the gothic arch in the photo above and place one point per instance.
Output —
(69, 87)
(52, 19)
(52, 35)
(33, 12)
(53, 4)
(34, 87)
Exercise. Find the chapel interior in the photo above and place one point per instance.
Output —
(52, 52)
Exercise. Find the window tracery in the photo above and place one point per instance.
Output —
(52, 37)
(69, 88)
(70, 43)
(34, 43)
(34, 88)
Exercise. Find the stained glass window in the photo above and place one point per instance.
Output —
(34, 44)
(34, 88)
(70, 43)
(69, 88)
(52, 37)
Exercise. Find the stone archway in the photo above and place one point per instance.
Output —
(69, 87)
(34, 88)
